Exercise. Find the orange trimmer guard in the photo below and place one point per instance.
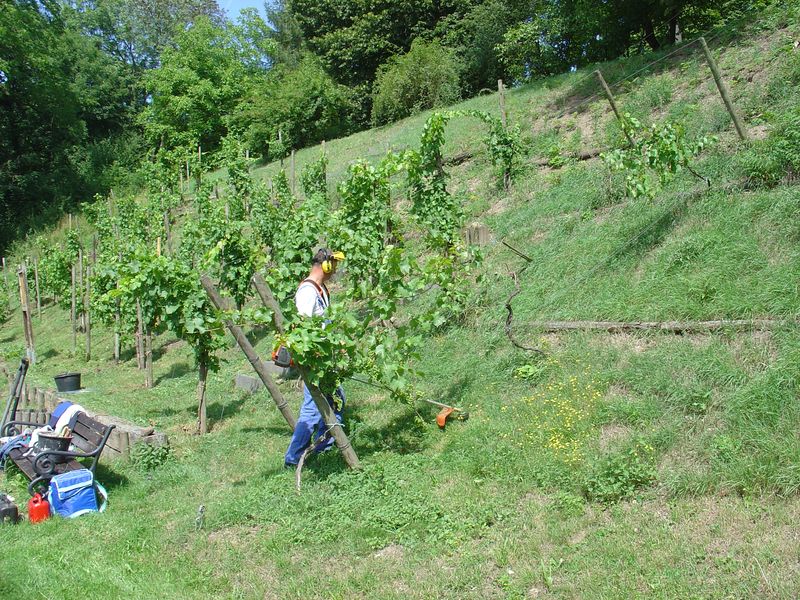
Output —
(441, 418)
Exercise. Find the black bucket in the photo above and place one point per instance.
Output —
(68, 382)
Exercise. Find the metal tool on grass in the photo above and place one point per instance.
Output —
(441, 418)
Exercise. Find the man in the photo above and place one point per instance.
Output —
(312, 299)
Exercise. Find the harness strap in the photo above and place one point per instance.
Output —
(325, 295)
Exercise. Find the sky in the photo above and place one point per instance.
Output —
(232, 7)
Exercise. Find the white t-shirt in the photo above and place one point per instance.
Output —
(309, 301)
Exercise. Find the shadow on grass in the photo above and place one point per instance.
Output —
(218, 412)
(176, 371)
(110, 479)
(646, 236)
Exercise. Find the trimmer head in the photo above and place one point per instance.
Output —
(459, 415)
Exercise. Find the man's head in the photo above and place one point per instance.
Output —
(327, 262)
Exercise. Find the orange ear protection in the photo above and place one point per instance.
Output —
(329, 264)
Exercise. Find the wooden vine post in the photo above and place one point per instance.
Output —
(139, 337)
(27, 322)
(250, 353)
(613, 104)
(73, 316)
(167, 234)
(291, 172)
(36, 281)
(328, 416)
(148, 358)
(723, 91)
(202, 412)
(87, 314)
(501, 92)
(79, 271)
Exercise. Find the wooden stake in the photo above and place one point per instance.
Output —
(27, 323)
(202, 425)
(613, 104)
(139, 336)
(167, 231)
(291, 172)
(73, 315)
(250, 353)
(329, 417)
(79, 271)
(117, 325)
(87, 313)
(148, 359)
(723, 91)
(501, 91)
(36, 281)
(677, 327)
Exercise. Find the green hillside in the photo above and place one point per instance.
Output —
(615, 465)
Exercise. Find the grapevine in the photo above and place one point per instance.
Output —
(658, 152)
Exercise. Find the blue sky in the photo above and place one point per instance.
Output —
(232, 7)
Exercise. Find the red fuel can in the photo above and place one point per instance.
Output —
(38, 509)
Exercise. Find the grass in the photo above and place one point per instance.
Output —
(620, 466)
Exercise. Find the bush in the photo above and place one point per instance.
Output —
(302, 104)
(769, 160)
(426, 77)
(148, 457)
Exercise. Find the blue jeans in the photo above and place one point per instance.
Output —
(310, 423)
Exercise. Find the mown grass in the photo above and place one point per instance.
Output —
(619, 466)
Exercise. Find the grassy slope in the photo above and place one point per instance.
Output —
(494, 507)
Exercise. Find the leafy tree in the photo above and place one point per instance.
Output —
(198, 84)
(300, 105)
(136, 32)
(426, 77)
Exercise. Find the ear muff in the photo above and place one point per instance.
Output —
(329, 264)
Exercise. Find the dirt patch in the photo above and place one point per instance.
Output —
(501, 206)
(612, 435)
(539, 236)
(577, 537)
(392, 552)
(626, 341)
(537, 591)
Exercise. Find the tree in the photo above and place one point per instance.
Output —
(302, 105)
(197, 86)
(426, 77)
(136, 32)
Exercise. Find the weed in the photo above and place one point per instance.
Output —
(568, 504)
(619, 475)
(148, 457)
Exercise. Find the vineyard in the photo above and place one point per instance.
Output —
(602, 267)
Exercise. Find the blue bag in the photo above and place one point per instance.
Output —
(73, 494)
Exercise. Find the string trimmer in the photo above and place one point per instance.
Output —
(441, 418)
